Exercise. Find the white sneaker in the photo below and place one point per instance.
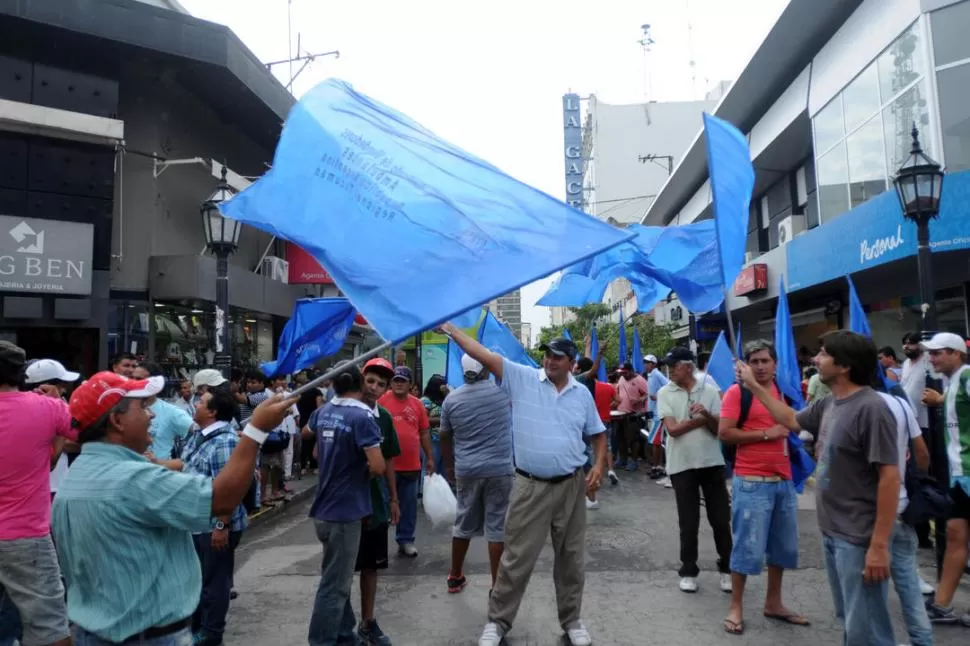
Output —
(578, 635)
(925, 588)
(665, 482)
(726, 584)
(688, 584)
(408, 550)
(611, 474)
(592, 504)
(491, 636)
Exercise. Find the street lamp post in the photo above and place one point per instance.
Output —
(919, 183)
(222, 239)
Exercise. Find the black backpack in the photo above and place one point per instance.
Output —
(730, 451)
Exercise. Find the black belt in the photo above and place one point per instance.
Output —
(553, 480)
(159, 631)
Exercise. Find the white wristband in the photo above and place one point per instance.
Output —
(255, 434)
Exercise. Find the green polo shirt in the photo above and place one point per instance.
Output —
(123, 529)
(390, 448)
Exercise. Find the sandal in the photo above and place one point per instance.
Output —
(734, 627)
(792, 618)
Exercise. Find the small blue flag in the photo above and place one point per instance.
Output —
(732, 183)
(566, 334)
(721, 364)
(454, 374)
(788, 374)
(318, 329)
(495, 336)
(858, 322)
(623, 353)
(395, 213)
(594, 350)
(637, 359)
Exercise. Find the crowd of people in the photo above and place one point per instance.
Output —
(121, 512)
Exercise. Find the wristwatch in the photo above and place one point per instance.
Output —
(220, 525)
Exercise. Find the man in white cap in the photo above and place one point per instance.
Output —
(476, 448)
(655, 381)
(948, 356)
(52, 377)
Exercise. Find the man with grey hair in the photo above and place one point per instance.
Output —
(476, 447)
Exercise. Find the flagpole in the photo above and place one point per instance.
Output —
(330, 374)
(732, 340)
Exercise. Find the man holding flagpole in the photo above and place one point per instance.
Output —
(551, 414)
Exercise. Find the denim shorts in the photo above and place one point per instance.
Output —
(482, 504)
(764, 524)
(31, 576)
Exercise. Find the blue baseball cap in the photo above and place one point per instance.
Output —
(403, 373)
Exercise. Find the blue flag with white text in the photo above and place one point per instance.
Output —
(412, 229)
(594, 350)
(497, 337)
(732, 183)
(317, 329)
(858, 322)
(721, 364)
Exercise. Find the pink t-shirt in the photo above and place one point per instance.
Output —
(28, 424)
(633, 395)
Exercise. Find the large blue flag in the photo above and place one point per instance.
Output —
(788, 374)
(721, 364)
(318, 329)
(454, 374)
(623, 354)
(495, 336)
(395, 213)
(858, 322)
(594, 350)
(637, 358)
(732, 183)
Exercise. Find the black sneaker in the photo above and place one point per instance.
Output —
(940, 615)
(456, 584)
(370, 634)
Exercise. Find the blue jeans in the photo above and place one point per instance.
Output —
(407, 493)
(333, 620)
(863, 608)
(180, 638)
(217, 567)
(906, 580)
(764, 522)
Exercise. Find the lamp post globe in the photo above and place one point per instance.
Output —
(222, 239)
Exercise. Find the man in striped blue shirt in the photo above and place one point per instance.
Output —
(551, 415)
(123, 525)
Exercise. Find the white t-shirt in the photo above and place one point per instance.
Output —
(696, 449)
(58, 472)
(907, 429)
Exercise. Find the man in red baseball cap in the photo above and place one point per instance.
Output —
(123, 525)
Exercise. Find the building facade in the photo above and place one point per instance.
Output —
(827, 103)
(112, 133)
(508, 309)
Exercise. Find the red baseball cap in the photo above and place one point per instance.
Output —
(383, 365)
(95, 398)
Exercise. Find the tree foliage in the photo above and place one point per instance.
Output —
(654, 339)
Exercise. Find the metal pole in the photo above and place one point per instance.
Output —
(223, 358)
(927, 292)
(732, 340)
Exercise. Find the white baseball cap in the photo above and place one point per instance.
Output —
(650, 359)
(49, 370)
(945, 341)
(470, 366)
(208, 377)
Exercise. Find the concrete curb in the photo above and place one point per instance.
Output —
(267, 514)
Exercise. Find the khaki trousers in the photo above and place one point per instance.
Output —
(538, 509)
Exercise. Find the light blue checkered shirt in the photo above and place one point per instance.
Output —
(548, 425)
(122, 527)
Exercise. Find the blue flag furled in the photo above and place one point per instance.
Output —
(721, 364)
(566, 334)
(454, 374)
(732, 183)
(738, 343)
(858, 322)
(395, 213)
(788, 374)
(594, 350)
(495, 336)
(623, 354)
(318, 329)
(637, 359)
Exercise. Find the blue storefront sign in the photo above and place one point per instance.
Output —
(875, 233)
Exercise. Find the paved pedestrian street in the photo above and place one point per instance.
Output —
(631, 585)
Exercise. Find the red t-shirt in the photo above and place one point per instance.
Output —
(410, 418)
(604, 400)
(758, 458)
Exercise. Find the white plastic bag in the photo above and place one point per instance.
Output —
(439, 501)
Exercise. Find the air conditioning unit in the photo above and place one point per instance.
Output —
(276, 268)
(790, 227)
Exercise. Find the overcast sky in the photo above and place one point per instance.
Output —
(490, 76)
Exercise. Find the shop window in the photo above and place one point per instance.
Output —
(949, 25)
(811, 211)
(833, 175)
(829, 126)
(953, 88)
(867, 162)
(898, 119)
(860, 99)
(901, 64)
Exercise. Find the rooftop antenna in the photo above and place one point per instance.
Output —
(690, 51)
(646, 40)
(305, 58)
